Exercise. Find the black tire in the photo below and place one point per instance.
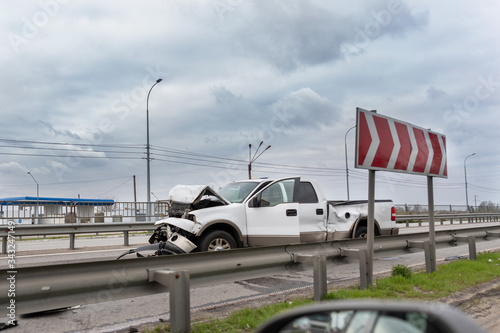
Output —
(361, 232)
(217, 240)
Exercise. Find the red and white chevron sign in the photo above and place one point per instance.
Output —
(384, 143)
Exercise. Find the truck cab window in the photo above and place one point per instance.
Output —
(307, 194)
(277, 193)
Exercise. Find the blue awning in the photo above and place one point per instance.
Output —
(55, 201)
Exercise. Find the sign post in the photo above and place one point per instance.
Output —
(432, 235)
(370, 232)
(387, 144)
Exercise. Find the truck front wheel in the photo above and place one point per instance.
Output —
(217, 240)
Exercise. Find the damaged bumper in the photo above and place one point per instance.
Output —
(179, 244)
(175, 244)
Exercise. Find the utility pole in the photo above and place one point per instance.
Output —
(346, 164)
(135, 201)
(465, 173)
(148, 155)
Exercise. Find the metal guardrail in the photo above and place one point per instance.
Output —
(72, 230)
(59, 286)
(460, 218)
(450, 208)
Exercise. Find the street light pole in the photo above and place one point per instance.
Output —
(252, 159)
(346, 165)
(148, 156)
(465, 173)
(37, 197)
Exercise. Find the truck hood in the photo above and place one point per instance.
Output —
(190, 194)
(186, 198)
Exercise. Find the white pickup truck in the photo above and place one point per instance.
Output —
(262, 212)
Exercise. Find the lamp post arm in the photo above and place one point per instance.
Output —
(37, 197)
(261, 153)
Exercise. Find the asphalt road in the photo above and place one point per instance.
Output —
(208, 302)
(93, 248)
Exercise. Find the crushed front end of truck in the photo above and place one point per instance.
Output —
(176, 233)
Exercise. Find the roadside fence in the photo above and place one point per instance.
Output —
(79, 212)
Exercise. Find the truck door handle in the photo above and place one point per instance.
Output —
(319, 211)
(291, 212)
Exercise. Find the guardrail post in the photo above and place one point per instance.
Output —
(71, 241)
(319, 272)
(361, 255)
(320, 279)
(178, 287)
(472, 247)
(4, 244)
(125, 238)
(363, 268)
(430, 259)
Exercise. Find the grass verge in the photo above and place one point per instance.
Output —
(448, 279)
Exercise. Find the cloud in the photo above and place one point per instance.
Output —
(294, 34)
(290, 73)
(59, 133)
(306, 109)
(13, 168)
(224, 96)
(434, 93)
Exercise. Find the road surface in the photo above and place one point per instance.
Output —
(208, 302)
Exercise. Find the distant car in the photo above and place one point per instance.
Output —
(372, 316)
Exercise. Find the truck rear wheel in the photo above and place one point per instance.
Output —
(217, 240)
(361, 232)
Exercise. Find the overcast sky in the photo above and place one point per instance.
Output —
(76, 74)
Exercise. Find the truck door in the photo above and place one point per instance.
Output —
(273, 214)
(312, 214)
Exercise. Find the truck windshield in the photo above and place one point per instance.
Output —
(237, 191)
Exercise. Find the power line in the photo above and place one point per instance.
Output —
(75, 182)
(195, 154)
(204, 160)
(73, 150)
(114, 188)
(72, 144)
(87, 181)
(194, 159)
(301, 167)
(76, 156)
(482, 188)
